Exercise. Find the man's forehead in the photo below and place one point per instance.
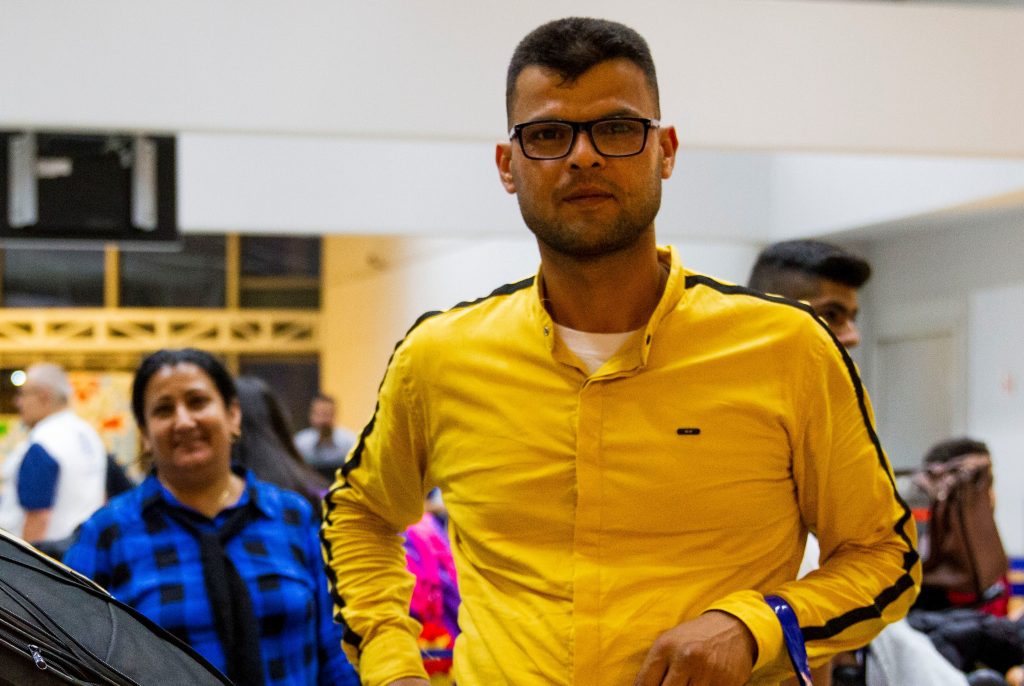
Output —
(827, 289)
(618, 79)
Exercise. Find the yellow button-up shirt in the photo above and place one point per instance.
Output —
(591, 512)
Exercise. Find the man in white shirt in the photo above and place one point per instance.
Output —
(55, 479)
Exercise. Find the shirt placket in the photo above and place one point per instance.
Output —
(587, 536)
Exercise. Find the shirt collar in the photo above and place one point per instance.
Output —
(52, 418)
(675, 288)
(154, 492)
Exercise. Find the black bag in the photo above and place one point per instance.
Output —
(58, 627)
(964, 552)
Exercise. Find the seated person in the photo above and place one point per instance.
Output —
(229, 564)
(965, 564)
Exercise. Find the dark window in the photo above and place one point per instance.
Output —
(280, 256)
(190, 277)
(279, 272)
(294, 381)
(7, 391)
(53, 278)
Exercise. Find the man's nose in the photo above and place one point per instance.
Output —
(583, 154)
(849, 334)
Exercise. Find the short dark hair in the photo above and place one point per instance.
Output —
(166, 357)
(950, 449)
(573, 45)
(793, 268)
(323, 397)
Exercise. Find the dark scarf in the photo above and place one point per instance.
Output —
(233, 616)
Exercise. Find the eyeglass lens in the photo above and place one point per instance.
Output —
(611, 137)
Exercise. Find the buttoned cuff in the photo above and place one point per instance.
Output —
(750, 608)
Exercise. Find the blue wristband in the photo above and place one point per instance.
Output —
(793, 637)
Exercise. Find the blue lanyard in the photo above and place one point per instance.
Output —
(793, 636)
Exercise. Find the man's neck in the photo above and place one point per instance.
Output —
(611, 294)
(43, 419)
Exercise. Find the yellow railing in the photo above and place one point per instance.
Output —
(87, 331)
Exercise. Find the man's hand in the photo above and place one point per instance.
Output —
(716, 649)
(410, 681)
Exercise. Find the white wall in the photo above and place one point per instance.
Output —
(814, 194)
(315, 185)
(967, 282)
(772, 74)
(302, 184)
(996, 373)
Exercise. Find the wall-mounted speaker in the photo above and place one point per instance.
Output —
(80, 189)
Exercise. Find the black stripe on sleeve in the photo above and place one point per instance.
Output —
(348, 636)
(905, 581)
(507, 289)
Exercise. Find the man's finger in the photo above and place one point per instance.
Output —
(652, 671)
(678, 676)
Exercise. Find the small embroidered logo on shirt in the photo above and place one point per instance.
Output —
(688, 431)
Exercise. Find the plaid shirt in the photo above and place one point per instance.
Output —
(147, 560)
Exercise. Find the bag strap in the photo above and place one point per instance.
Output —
(793, 636)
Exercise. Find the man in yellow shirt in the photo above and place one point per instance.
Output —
(631, 453)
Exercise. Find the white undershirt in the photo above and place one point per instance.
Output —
(593, 349)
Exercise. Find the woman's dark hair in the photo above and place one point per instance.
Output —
(168, 357)
(266, 444)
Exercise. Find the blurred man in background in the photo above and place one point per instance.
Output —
(823, 275)
(324, 445)
(56, 478)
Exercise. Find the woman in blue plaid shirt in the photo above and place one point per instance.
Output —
(229, 564)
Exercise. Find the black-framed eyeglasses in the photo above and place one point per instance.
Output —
(611, 137)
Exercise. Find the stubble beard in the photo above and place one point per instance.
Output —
(586, 240)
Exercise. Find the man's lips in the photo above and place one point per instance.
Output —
(587, 195)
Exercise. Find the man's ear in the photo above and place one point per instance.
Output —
(669, 142)
(503, 158)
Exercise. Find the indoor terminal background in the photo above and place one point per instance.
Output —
(894, 127)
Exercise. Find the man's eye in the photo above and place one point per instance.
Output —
(832, 316)
(542, 134)
(620, 127)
